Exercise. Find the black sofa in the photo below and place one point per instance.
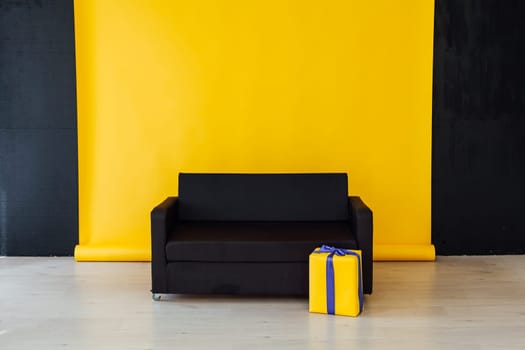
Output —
(253, 233)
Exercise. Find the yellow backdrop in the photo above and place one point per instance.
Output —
(252, 86)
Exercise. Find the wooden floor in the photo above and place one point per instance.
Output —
(454, 303)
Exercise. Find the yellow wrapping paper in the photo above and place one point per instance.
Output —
(346, 283)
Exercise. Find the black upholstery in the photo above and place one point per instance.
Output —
(253, 233)
(290, 278)
(254, 242)
(263, 197)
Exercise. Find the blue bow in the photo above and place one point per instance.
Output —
(330, 279)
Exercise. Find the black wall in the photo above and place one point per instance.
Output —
(38, 139)
(478, 160)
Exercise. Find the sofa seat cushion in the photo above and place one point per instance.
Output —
(254, 241)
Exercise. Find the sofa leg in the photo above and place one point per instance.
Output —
(155, 296)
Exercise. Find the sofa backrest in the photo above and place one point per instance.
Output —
(263, 197)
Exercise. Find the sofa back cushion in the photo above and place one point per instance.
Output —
(263, 197)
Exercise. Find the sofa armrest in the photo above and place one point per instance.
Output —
(163, 218)
(361, 220)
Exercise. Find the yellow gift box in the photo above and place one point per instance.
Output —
(336, 285)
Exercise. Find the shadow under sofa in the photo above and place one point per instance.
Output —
(253, 233)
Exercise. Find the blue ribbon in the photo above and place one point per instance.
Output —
(330, 278)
